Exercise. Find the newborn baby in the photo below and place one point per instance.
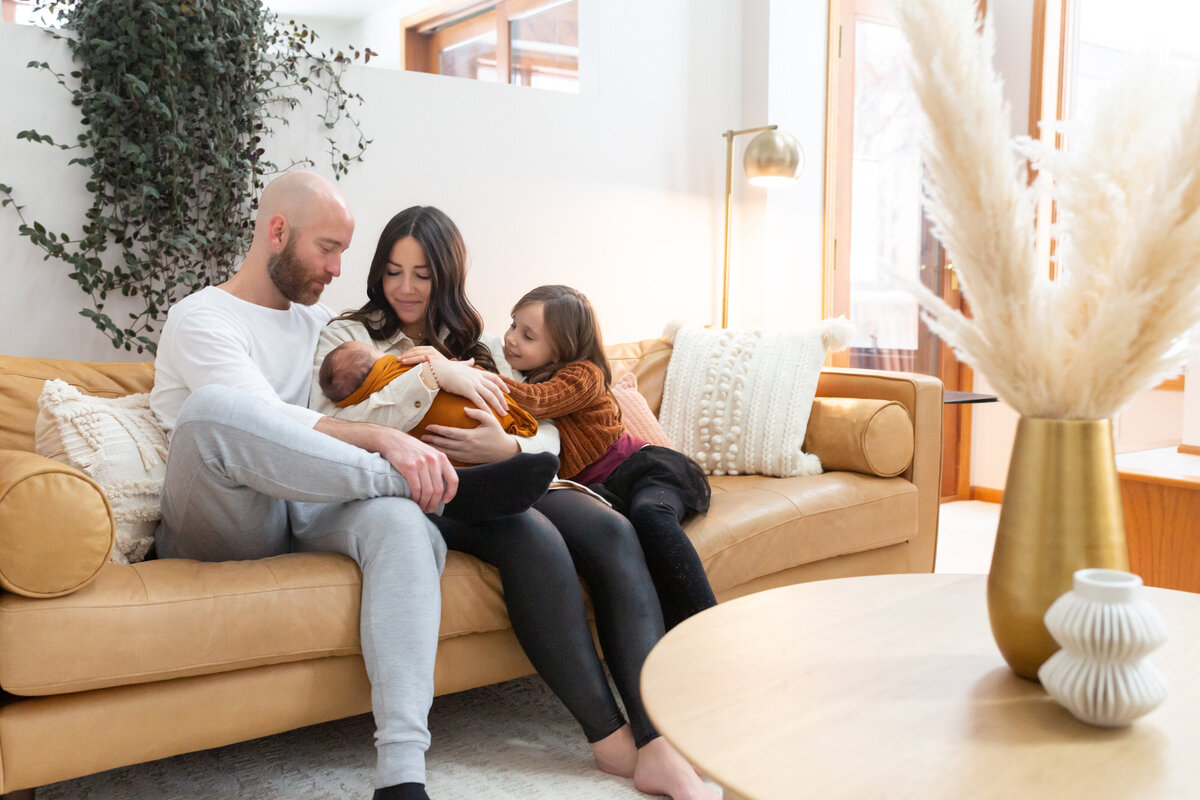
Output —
(354, 371)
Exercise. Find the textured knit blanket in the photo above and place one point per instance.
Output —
(738, 401)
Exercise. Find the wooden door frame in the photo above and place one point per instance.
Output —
(835, 255)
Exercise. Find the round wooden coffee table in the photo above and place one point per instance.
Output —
(891, 687)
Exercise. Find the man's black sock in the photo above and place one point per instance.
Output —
(504, 487)
(402, 791)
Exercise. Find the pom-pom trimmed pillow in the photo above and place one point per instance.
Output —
(738, 401)
(119, 443)
(635, 412)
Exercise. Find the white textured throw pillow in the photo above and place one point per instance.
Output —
(738, 401)
(119, 443)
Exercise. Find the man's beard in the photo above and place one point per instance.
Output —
(290, 277)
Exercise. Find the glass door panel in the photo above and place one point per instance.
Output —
(888, 231)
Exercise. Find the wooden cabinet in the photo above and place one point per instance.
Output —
(1162, 527)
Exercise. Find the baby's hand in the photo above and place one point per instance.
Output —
(416, 355)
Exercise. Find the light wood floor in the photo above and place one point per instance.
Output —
(966, 535)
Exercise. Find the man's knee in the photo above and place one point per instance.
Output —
(210, 402)
(391, 524)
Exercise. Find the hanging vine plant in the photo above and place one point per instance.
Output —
(176, 100)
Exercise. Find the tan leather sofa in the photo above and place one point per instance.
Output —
(104, 665)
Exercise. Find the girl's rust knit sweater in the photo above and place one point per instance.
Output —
(580, 404)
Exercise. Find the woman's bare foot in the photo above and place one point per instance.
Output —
(662, 770)
(616, 753)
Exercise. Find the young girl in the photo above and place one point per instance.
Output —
(555, 341)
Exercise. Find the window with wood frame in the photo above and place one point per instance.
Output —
(522, 42)
(1078, 48)
(23, 12)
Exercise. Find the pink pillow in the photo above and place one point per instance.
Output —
(638, 418)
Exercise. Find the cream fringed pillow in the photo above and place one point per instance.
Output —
(738, 401)
(120, 444)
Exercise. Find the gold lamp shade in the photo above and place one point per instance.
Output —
(773, 158)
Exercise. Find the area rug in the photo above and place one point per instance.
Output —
(511, 741)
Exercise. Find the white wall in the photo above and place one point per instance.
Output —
(790, 292)
(1152, 419)
(775, 254)
(617, 192)
(1191, 405)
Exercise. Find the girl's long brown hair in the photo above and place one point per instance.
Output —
(572, 328)
(446, 257)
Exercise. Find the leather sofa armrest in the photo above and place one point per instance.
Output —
(56, 526)
(921, 396)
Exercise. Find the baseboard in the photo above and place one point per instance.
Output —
(1190, 449)
(987, 495)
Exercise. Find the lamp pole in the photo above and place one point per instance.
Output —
(729, 209)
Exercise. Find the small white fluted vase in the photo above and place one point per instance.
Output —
(1106, 627)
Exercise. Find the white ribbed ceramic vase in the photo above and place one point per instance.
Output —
(1106, 627)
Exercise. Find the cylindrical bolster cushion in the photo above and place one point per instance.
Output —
(870, 436)
(56, 526)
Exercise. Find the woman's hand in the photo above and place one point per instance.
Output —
(415, 355)
(479, 386)
(481, 445)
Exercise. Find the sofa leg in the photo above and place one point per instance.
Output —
(19, 794)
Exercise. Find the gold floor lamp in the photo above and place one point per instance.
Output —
(773, 158)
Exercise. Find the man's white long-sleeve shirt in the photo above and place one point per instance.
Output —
(213, 337)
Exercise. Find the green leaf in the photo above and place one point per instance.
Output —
(176, 101)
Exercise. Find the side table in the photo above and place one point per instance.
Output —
(953, 398)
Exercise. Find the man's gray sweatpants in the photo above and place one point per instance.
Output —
(241, 477)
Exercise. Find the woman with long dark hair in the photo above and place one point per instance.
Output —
(417, 299)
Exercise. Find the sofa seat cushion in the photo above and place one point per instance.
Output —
(173, 618)
(758, 525)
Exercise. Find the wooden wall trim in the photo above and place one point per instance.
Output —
(987, 495)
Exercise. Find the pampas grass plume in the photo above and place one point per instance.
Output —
(1116, 320)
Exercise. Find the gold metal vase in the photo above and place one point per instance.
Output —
(1061, 512)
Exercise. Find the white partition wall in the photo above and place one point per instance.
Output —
(1191, 408)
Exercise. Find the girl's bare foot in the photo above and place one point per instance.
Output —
(616, 753)
(662, 770)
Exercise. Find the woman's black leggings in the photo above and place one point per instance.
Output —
(541, 554)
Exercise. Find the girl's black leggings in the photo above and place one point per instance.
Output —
(679, 578)
(541, 554)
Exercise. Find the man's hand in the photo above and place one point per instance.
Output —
(428, 472)
(481, 445)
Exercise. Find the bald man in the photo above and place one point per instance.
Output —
(252, 472)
